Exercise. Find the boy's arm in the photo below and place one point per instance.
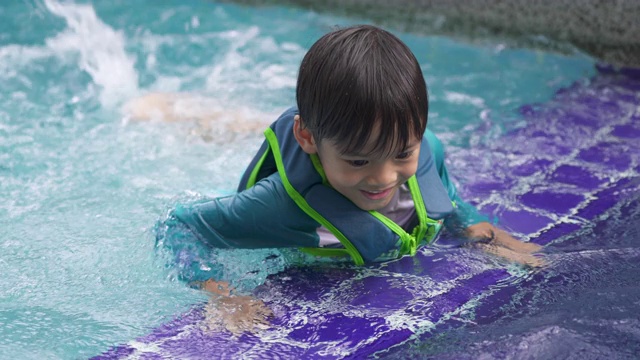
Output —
(465, 214)
(498, 242)
(468, 222)
(263, 216)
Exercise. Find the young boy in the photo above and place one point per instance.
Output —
(352, 171)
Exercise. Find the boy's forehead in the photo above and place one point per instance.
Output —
(375, 145)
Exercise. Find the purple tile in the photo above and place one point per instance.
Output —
(549, 147)
(522, 221)
(574, 175)
(631, 73)
(438, 267)
(434, 308)
(338, 327)
(627, 131)
(485, 188)
(384, 342)
(606, 199)
(531, 167)
(555, 232)
(377, 293)
(557, 203)
(611, 155)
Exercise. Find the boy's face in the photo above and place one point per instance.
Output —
(369, 181)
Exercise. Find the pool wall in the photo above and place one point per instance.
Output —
(606, 30)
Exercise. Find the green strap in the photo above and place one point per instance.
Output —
(254, 173)
(421, 210)
(302, 203)
(409, 243)
(326, 252)
(315, 160)
(427, 227)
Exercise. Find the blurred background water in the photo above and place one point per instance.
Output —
(81, 186)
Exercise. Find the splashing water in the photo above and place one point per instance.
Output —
(101, 51)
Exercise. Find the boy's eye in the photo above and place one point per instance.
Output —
(357, 163)
(404, 155)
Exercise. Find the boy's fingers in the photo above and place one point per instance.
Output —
(518, 257)
(241, 314)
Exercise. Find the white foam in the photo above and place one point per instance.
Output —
(464, 99)
(12, 55)
(101, 49)
(278, 77)
(233, 60)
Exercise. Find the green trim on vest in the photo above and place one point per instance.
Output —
(315, 160)
(253, 178)
(405, 239)
(332, 252)
(302, 203)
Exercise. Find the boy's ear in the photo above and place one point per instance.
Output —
(304, 137)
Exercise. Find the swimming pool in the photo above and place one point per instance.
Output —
(82, 187)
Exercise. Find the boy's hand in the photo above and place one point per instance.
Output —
(504, 245)
(221, 288)
(510, 255)
(236, 313)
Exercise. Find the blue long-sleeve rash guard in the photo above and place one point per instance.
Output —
(264, 216)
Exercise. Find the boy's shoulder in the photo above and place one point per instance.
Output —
(435, 145)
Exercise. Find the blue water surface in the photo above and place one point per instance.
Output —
(82, 186)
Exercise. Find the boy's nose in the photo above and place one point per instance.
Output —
(384, 176)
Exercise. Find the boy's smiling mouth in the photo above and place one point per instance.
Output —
(377, 194)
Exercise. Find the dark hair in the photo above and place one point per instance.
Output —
(355, 78)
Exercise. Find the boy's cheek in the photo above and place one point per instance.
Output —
(341, 177)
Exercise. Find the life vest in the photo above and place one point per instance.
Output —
(366, 235)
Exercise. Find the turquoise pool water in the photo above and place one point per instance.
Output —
(81, 186)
